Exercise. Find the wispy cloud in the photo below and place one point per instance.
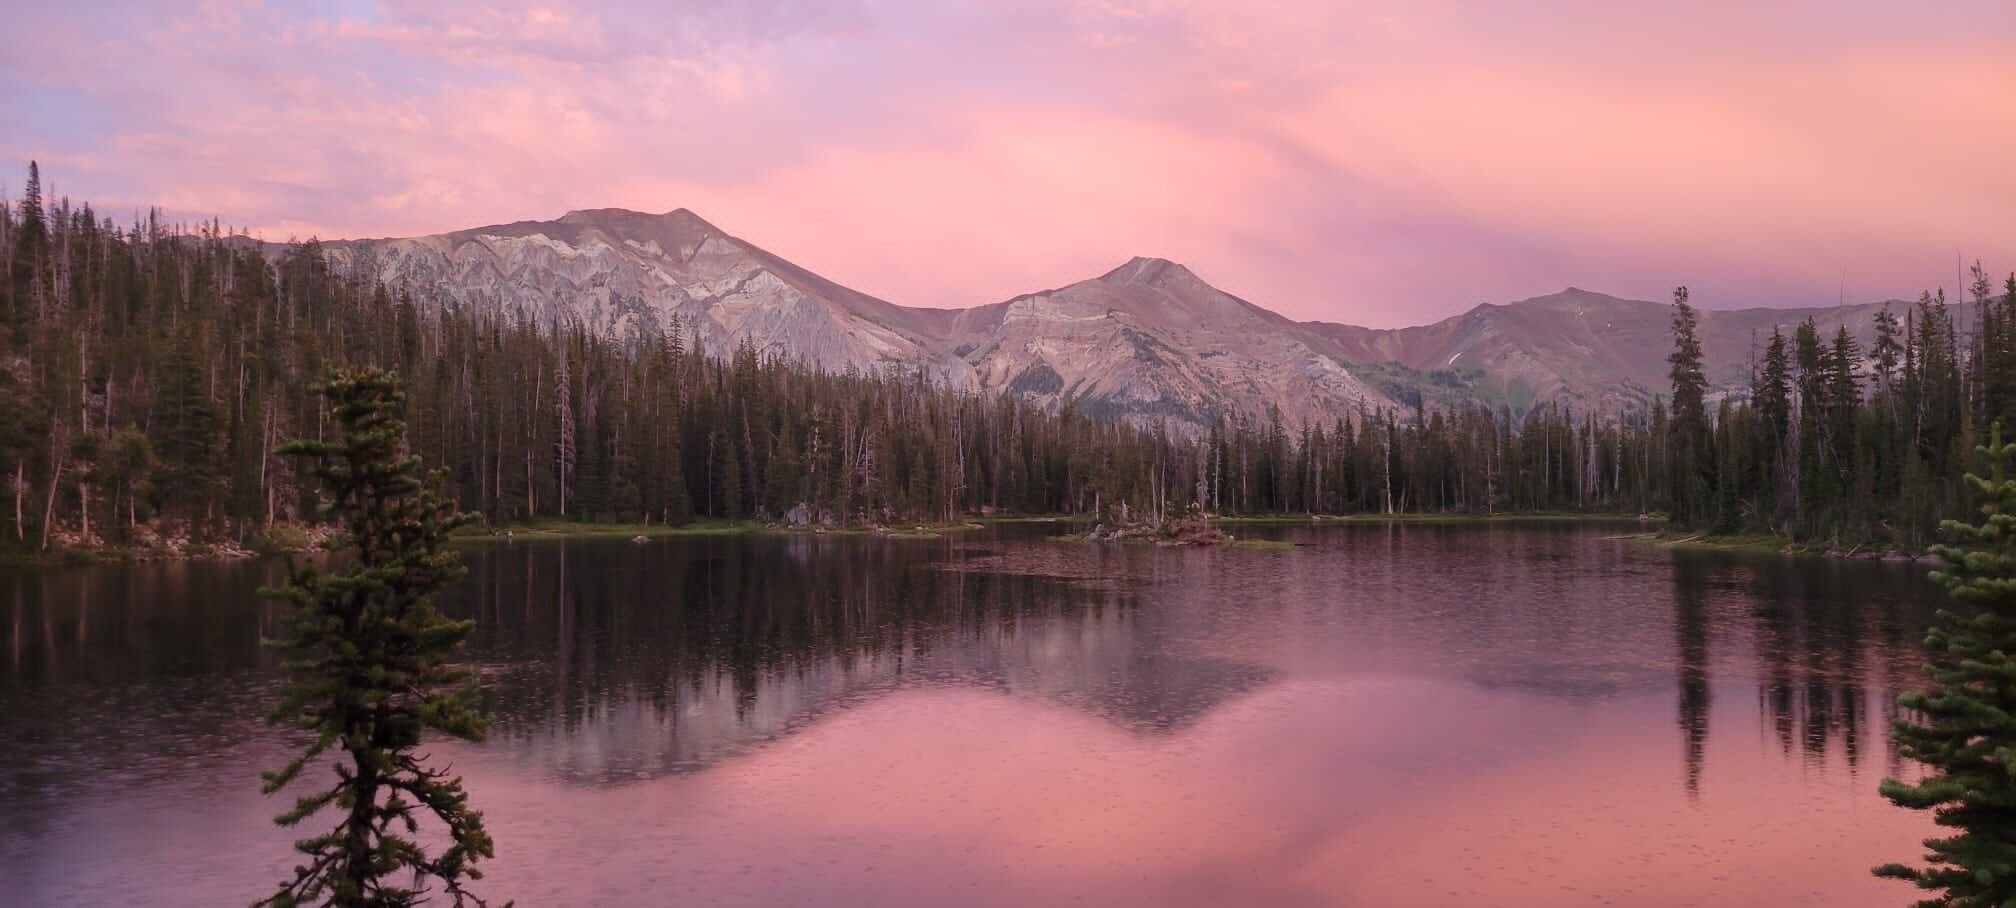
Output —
(1382, 162)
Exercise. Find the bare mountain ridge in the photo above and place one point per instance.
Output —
(1591, 347)
(1147, 341)
(1151, 340)
(627, 274)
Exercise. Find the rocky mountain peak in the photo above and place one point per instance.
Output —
(627, 224)
(1149, 271)
(1148, 341)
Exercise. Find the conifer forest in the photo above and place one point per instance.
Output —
(149, 371)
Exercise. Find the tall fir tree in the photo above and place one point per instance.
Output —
(31, 244)
(369, 669)
(1771, 393)
(1964, 728)
(1692, 455)
(1887, 354)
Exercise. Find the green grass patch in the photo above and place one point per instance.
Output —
(59, 555)
(1771, 544)
(558, 529)
(1519, 517)
(1758, 543)
(280, 539)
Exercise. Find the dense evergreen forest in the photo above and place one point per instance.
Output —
(1836, 443)
(149, 372)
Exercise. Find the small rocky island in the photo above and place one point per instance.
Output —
(1195, 528)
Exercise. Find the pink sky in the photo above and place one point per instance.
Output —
(1378, 162)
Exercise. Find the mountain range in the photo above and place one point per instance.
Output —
(1148, 340)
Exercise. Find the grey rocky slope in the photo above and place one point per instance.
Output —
(626, 274)
(1589, 347)
(1147, 341)
(1151, 340)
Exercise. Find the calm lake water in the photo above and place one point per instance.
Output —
(1518, 715)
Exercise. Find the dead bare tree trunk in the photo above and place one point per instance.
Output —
(1388, 464)
(266, 454)
(20, 493)
(49, 502)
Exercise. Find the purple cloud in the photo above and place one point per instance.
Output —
(1383, 163)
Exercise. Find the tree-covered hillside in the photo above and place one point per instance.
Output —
(149, 372)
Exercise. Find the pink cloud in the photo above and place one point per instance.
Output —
(1383, 163)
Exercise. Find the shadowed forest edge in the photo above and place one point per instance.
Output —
(149, 372)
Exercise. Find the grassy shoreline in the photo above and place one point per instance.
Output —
(295, 539)
(1769, 544)
(574, 530)
(1451, 519)
(280, 539)
(556, 529)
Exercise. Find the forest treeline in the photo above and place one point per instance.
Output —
(149, 372)
(1841, 444)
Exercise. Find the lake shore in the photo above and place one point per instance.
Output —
(284, 539)
(1752, 543)
(1770, 544)
(1441, 519)
(571, 530)
(147, 543)
(300, 539)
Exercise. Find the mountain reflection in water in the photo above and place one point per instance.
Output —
(1383, 715)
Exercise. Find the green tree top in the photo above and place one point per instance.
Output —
(1964, 727)
(1690, 384)
(368, 669)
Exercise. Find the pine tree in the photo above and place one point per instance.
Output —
(132, 462)
(1844, 390)
(1964, 730)
(191, 434)
(1691, 454)
(1771, 394)
(31, 243)
(24, 422)
(1888, 352)
(1998, 349)
(368, 672)
(33, 223)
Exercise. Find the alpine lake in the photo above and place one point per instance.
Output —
(1380, 714)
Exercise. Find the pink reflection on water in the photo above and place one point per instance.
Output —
(1396, 723)
(1378, 793)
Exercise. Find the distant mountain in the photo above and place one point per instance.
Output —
(1585, 346)
(1148, 340)
(626, 274)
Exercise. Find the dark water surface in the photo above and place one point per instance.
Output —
(1382, 716)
